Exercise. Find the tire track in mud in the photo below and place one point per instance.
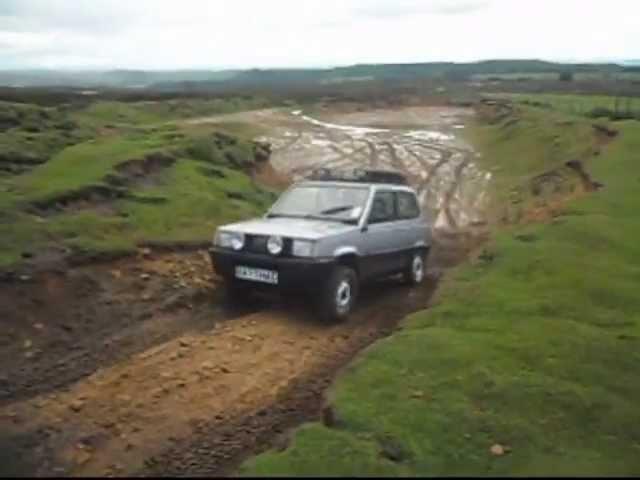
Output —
(300, 401)
(396, 162)
(290, 144)
(345, 155)
(63, 326)
(442, 150)
(219, 394)
(373, 154)
(432, 172)
(450, 194)
(344, 158)
(411, 152)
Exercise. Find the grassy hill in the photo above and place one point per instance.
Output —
(528, 363)
(111, 176)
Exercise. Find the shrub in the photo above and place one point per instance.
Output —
(566, 77)
(201, 149)
(600, 112)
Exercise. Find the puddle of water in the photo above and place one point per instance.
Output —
(354, 131)
(429, 136)
(321, 143)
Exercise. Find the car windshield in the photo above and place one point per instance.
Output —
(322, 202)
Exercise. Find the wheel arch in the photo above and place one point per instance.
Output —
(348, 257)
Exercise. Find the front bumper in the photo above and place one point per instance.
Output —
(293, 273)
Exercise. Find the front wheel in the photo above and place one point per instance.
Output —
(415, 272)
(339, 295)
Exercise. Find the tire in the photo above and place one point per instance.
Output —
(416, 269)
(339, 295)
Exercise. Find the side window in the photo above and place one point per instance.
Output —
(383, 208)
(407, 206)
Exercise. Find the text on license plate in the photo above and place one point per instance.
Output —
(257, 275)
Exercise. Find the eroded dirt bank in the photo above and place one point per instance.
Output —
(136, 367)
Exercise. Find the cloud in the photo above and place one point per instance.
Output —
(250, 33)
(96, 16)
(403, 8)
(10, 7)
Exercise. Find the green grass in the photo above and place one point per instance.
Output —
(193, 202)
(111, 113)
(527, 144)
(118, 113)
(580, 104)
(535, 345)
(196, 204)
(237, 129)
(37, 131)
(537, 142)
(84, 164)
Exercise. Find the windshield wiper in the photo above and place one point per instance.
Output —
(334, 210)
(284, 215)
(348, 221)
(317, 217)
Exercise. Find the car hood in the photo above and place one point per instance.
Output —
(290, 227)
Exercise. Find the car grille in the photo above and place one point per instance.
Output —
(258, 244)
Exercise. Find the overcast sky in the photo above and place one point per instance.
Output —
(167, 34)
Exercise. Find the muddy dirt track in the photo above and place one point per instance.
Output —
(137, 366)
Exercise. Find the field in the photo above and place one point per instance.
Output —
(619, 107)
(527, 365)
(580, 76)
(518, 356)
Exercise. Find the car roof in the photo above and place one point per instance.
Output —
(360, 185)
(359, 175)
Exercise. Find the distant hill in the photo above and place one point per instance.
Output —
(266, 78)
(106, 79)
(197, 79)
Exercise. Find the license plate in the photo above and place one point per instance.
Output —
(257, 275)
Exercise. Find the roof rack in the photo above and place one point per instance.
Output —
(359, 175)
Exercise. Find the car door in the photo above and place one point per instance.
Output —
(380, 237)
(408, 225)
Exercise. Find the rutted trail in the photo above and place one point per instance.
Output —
(174, 384)
(211, 386)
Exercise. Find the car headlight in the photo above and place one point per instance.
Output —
(302, 248)
(230, 240)
(275, 245)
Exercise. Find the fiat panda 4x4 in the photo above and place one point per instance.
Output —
(325, 237)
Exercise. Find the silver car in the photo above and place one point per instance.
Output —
(327, 236)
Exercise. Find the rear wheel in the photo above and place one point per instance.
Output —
(415, 272)
(339, 295)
